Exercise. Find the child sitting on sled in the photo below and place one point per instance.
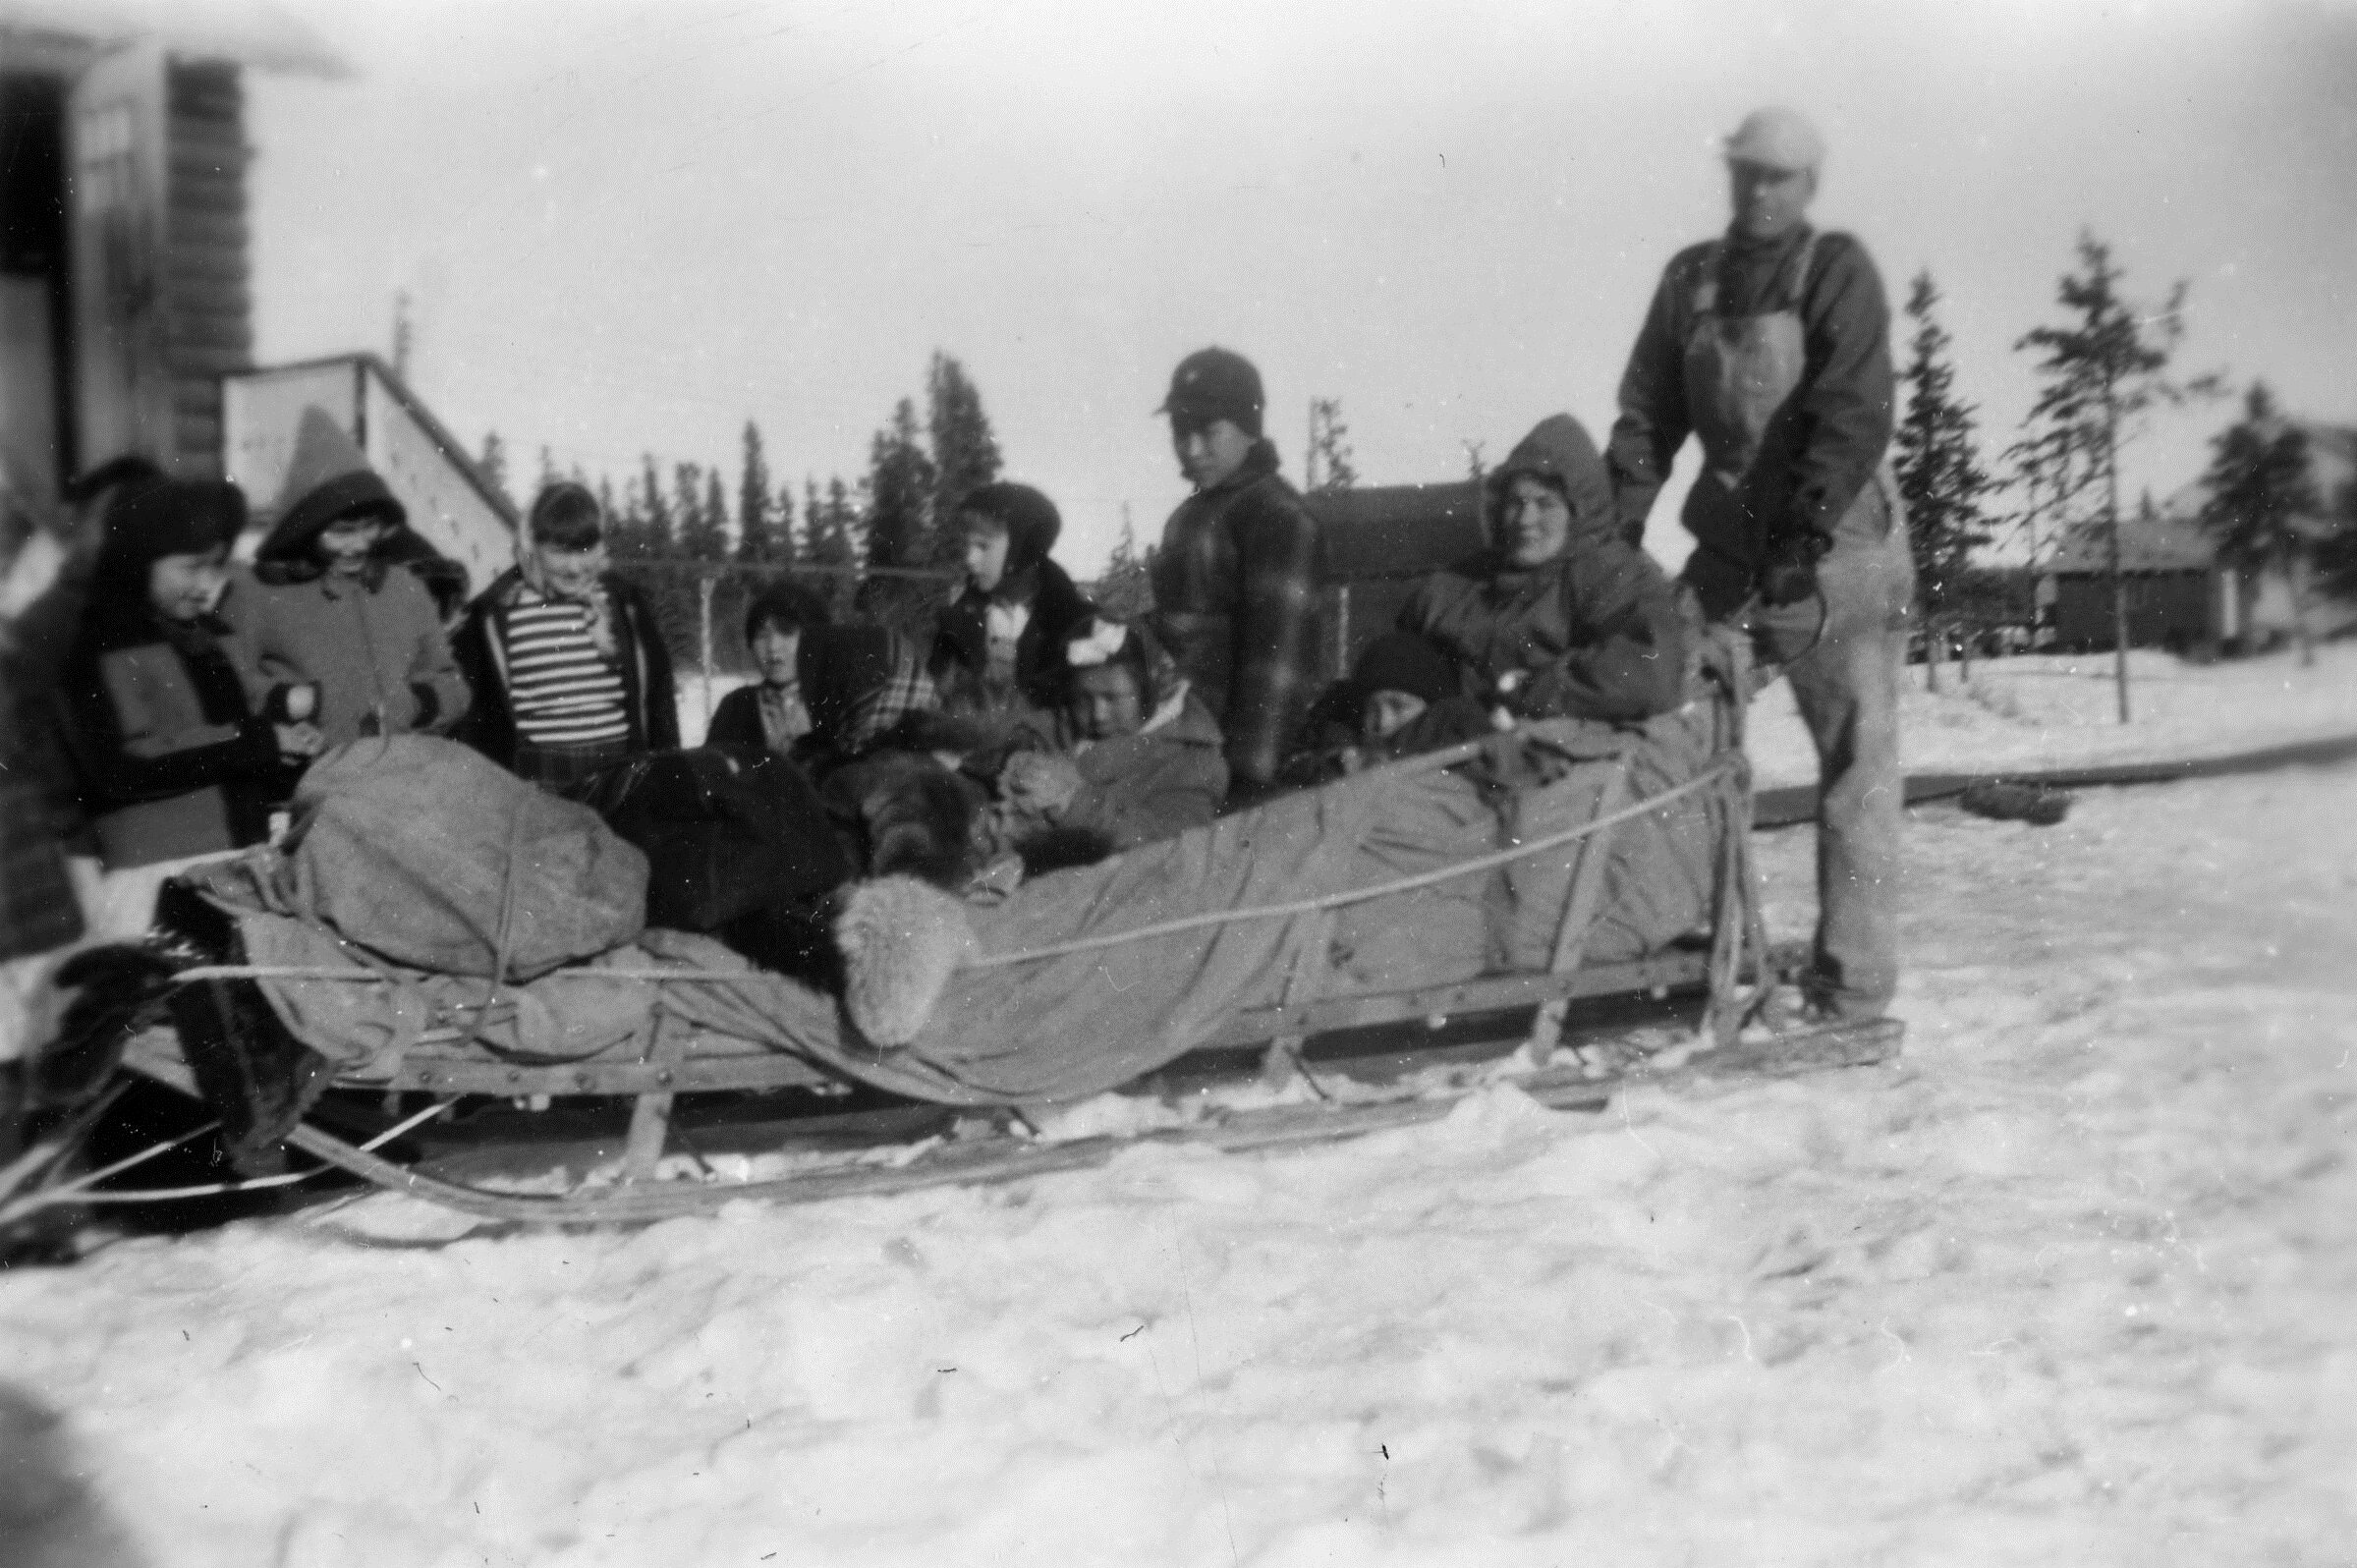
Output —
(1131, 756)
(1001, 645)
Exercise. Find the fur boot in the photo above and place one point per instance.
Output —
(901, 941)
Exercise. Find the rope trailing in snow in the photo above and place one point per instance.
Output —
(78, 1191)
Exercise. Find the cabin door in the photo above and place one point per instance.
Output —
(117, 184)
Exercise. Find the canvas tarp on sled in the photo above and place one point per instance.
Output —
(1099, 1010)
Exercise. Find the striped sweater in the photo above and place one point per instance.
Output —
(564, 690)
(486, 648)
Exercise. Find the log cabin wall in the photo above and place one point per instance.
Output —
(209, 310)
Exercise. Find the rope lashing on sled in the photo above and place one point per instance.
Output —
(1360, 895)
(1717, 773)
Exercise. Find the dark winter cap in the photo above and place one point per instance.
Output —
(327, 479)
(1214, 384)
(1402, 661)
(146, 522)
(1030, 518)
(129, 469)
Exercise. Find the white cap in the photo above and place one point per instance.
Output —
(1776, 139)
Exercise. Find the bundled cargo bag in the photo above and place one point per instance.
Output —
(431, 854)
(725, 833)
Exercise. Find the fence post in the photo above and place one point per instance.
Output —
(705, 584)
(1341, 630)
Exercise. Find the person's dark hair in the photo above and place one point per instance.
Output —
(147, 520)
(1030, 518)
(565, 515)
(788, 606)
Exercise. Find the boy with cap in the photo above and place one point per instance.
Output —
(329, 629)
(1772, 345)
(1238, 577)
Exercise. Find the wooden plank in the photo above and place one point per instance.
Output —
(198, 359)
(1495, 994)
(651, 1116)
(446, 1074)
(197, 262)
(207, 198)
(204, 229)
(197, 397)
(210, 330)
(198, 156)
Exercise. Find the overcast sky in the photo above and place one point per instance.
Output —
(632, 227)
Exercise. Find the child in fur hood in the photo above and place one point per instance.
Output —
(1001, 645)
(1132, 757)
(329, 629)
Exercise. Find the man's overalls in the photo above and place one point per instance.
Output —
(1743, 375)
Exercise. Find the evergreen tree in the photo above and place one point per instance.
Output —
(688, 524)
(492, 466)
(654, 513)
(900, 490)
(1940, 477)
(1329, 449)
(816, 546)
(2104, 369)
(827, 527)
(715, 518)
(965, 453)
(1126, 590)
(2260, 489)
(788, 546)
(547, 470)
(625, 532)
(757, 542)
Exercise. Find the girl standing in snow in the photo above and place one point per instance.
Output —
(176, 766)
(328, 628)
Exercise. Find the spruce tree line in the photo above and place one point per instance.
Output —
(670, 536)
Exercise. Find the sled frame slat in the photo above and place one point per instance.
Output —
(1495, 994)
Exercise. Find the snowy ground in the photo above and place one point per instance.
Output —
(2070, 1285)
(2045, 710)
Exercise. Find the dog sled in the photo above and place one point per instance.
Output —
(1594, 881)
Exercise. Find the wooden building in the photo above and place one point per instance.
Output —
(124, 284)
(1378, 540)
(125, 277)
(2181, 594)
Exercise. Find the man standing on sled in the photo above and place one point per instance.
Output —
(1772, 345)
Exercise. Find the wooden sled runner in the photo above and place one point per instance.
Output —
(1618, 870)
